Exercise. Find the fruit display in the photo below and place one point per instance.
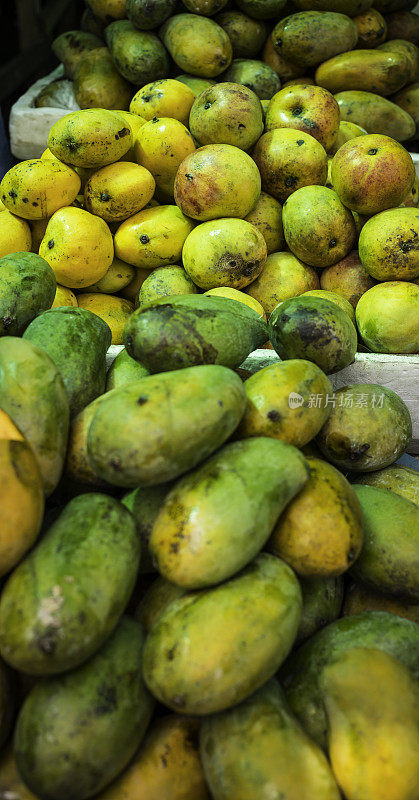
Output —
(209, 570)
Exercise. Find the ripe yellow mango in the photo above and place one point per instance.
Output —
(92, 137)
(164, 98)
(160, 146)
(283, 276)
(36, 188)
(266, 216)
(119, 275)
(153, 238)
(118, 191)
(115, 311)
(15, 234)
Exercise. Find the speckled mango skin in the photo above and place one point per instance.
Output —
(118, 276)
(146, 17)
(364, 70)
(72, 46)
(320, 533)
(266, 216)
(372, 29)
(51, 620)
(389, 245)
(268, 411)
(132, 443)
(259, 77)
(27, 287)
(283, 276)
(118, 191)
(397, 478)
(165, 281)
(376, 114)
(139, 56)
(260, 749)
(197, 44)
(161, 146)
(360, 598)
(156, 599)
(389, 561)
(408, 99)
(310, 37)
(289, 159)
(187, 330)
(98, 84)
(123, 371)
(34, 189)
(262, 604)
(15, 234)
(301, 673)
(194, 542)
(103, 702)
(227, 113)
(387, 317)
(334, 298)
(246, 35)
(89, 138)
(164, 98)
(322, 602)
(365, 437)
(10, 781)
(153, 238)
(348, 278)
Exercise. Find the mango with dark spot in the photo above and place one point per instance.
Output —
(210, 650)
(375, 71)
(152, 238)
(372, 28)
(310, 109)
(387, 316)
(71, 47)
(266, 216)
(164, 98)
(401, 480)
(156, 599)
(259, 749)
(408, 49)
(27, 287)
(164, 425)
(289, 159)
(197, 44)
(187, 330)
(92, 137)
(247, 35)
(310, 37)
(98, 84)
(376, 114)
(146, 15)
(103, 703)
(322, 603)
(368, 428)
(227, 113)
(257, 76)
(145, 505)
(389, 245)
(139, 56)
(286, 70)
(36, 188)
(66, 597)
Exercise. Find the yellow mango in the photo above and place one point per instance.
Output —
(164, 98)
(241, 297)
(15, 234)
(130, 291)
(306, 108)
(283, 276)
(153, 238)
(34, 189)
(160, 146)
(134, 122)
(11, 784)
(197, 44)
(78, 467)
(2, 206)
(119, 275)
(115, 311)
(64, 297)
(288, 159)
(107, 10)
(266, 216)
(340, 301)
(118, 191)
(8, 429)
(78, 246)
(92, 137)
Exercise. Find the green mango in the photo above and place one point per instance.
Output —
(145, 505)
(139, 56)
(33, 393)
(349, 7)
(7, 702)
(66, 597)
(261, 9)
(211, 649)
(398, 479)
(123, 371)
(386, 314)
(76, 732)
(310, 37)
(197, 44)
(77, 341)
(322, 602)
(259, 749)
(301, 673)
(218, 517)
(27, 287)
(256, 75)
(146, 16)
(164, 425)
(155, 600)
(389, 559)
(71, 46)
(247, 35)
(187, 330)
(376, 114)
(365, 70)
(163, 282)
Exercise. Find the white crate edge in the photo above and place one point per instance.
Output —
(399, 373)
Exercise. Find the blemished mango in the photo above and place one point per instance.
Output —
(145, 505)
(310, 109)
(70, 47)
(247, 35)
(134, 123)
(410, 50)
(124, 370)
(376, 114)
(347, 277)
(387, 317)
(115, 311)
(104, 702)
(322, 603)
(334, 298)
(89, 138)
(365, 71)
(266, 216)
(283, 276)
(286, 70)
(288, 159)
(172, 442)
(36, 188)
(118, 191)
(260, 78)
(15, 234)
(259, 748)
(161, 146)
(371, 697)
(310, 37)
(117, 277)
(153, 238)
(163, 282)
(397, 478)
(98, 84)
(131, 290)
(217, 518)
(156, 599)
(372, 28)
(164, 98)
(360, 598)
(64, 297)
(227, 113)
(139, 56)
(197, 44)
(230, 618)
(27, 287)
(389, 245)
(261, 9)
(78, 247)
(280, 402)
(146, 17)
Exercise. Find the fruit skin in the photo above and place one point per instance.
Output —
(114, 311)
(128, 188)
(103, 702)
(268, 410)
(261, 9)
(34, 189)
(301, 673)
(266, 216)
(368, 694)
(314, 329)
(123, 371)
(98, 84)
(348, 278)
(66, 597)
(64, 297)
(187, 330)
(308, 38)
(145, 505)
(78, 467)
(349, 7)
(10, 781)
(283, 276)
(107, 10)
(403, 25)
(165, 281)
(195, 542)
(32, 392)
(153, 238)
(369, 428)
(217, 180)
(322, 602)
(161, 146)
(156, 599)
(389, 247)
(230, 619)
(89, 138)
(364, 70)
(400, 480)
(372, 28)
(197, 85)
(15, 234)
(182, 418)
(139, 56)
(410, 50)
(320, 533)
(261, 79)
(334, 298)
(197, 44)
(259, 748)
(347, 131)
(386, 317)
(372, 173)
(408, 99)
(226, 113)
(71, 47)
(164, 98)
(287, 160)
(389, 561)
(118, 276)
(247, 35)
(361, 598)
(27, 287)
(145, 16)
(376, 114)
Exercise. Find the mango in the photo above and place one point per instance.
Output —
(153, 238)
(376, 114)
(408, 99)
(372, 28)
(33, 393)
(403, 24)
(348, 278)
(118, 191)
(71, 47)
(365, 71)
(266, 217)
(349, 7)
(88, 138)
(262, 604)
(161, 146)
(98, 84)
(113, 311)
(347, 131)
(362, 598)
(118, 276)
(187, 330)
(289, 159)
(389, 245)
(286, 70)
(172, 441)
(15, 234)
(78, 466)
(314, 329)
(197, 44)
(197, 85)
(260, 78)
(145, 505)
(261, 9)
(301, 674)
(397, 478)
(139, 56)
(165, 281)
(64, 297)
(205, 7)
(334, 298)
(103, 702)
(107, 10)
(310, 37)
(260, 749)
(322, 603)
(27, 287)
(387, 317)
(217, 518)
(368, 428)
(241, 297)
(164, 98)
(410, 50)
(368, 696)
(34, 189)
(283, 276)
(130, 291)
(11, 783)
(247, 35)
(157, 597)
(146, 17)
(124, 370)
(226, 113)
(134, 123)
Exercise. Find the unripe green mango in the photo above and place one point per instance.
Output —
(217, 518)
(389, 559)
(187, 330)
(259, 749)
(76, 732)
(301, 673)
(310, 37)
(257, 76)
(366, 71)
(77, 342)
(398, 479)
(322, 602)
(376, 114)
(145, 15)
(64, 599)
(139, 56)
(163, 282)
(27, 287)
(212, 649)
(389, 245)
(71, 46)
(145, 505)
(123, 371)
(164, 425)
(33, 393)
